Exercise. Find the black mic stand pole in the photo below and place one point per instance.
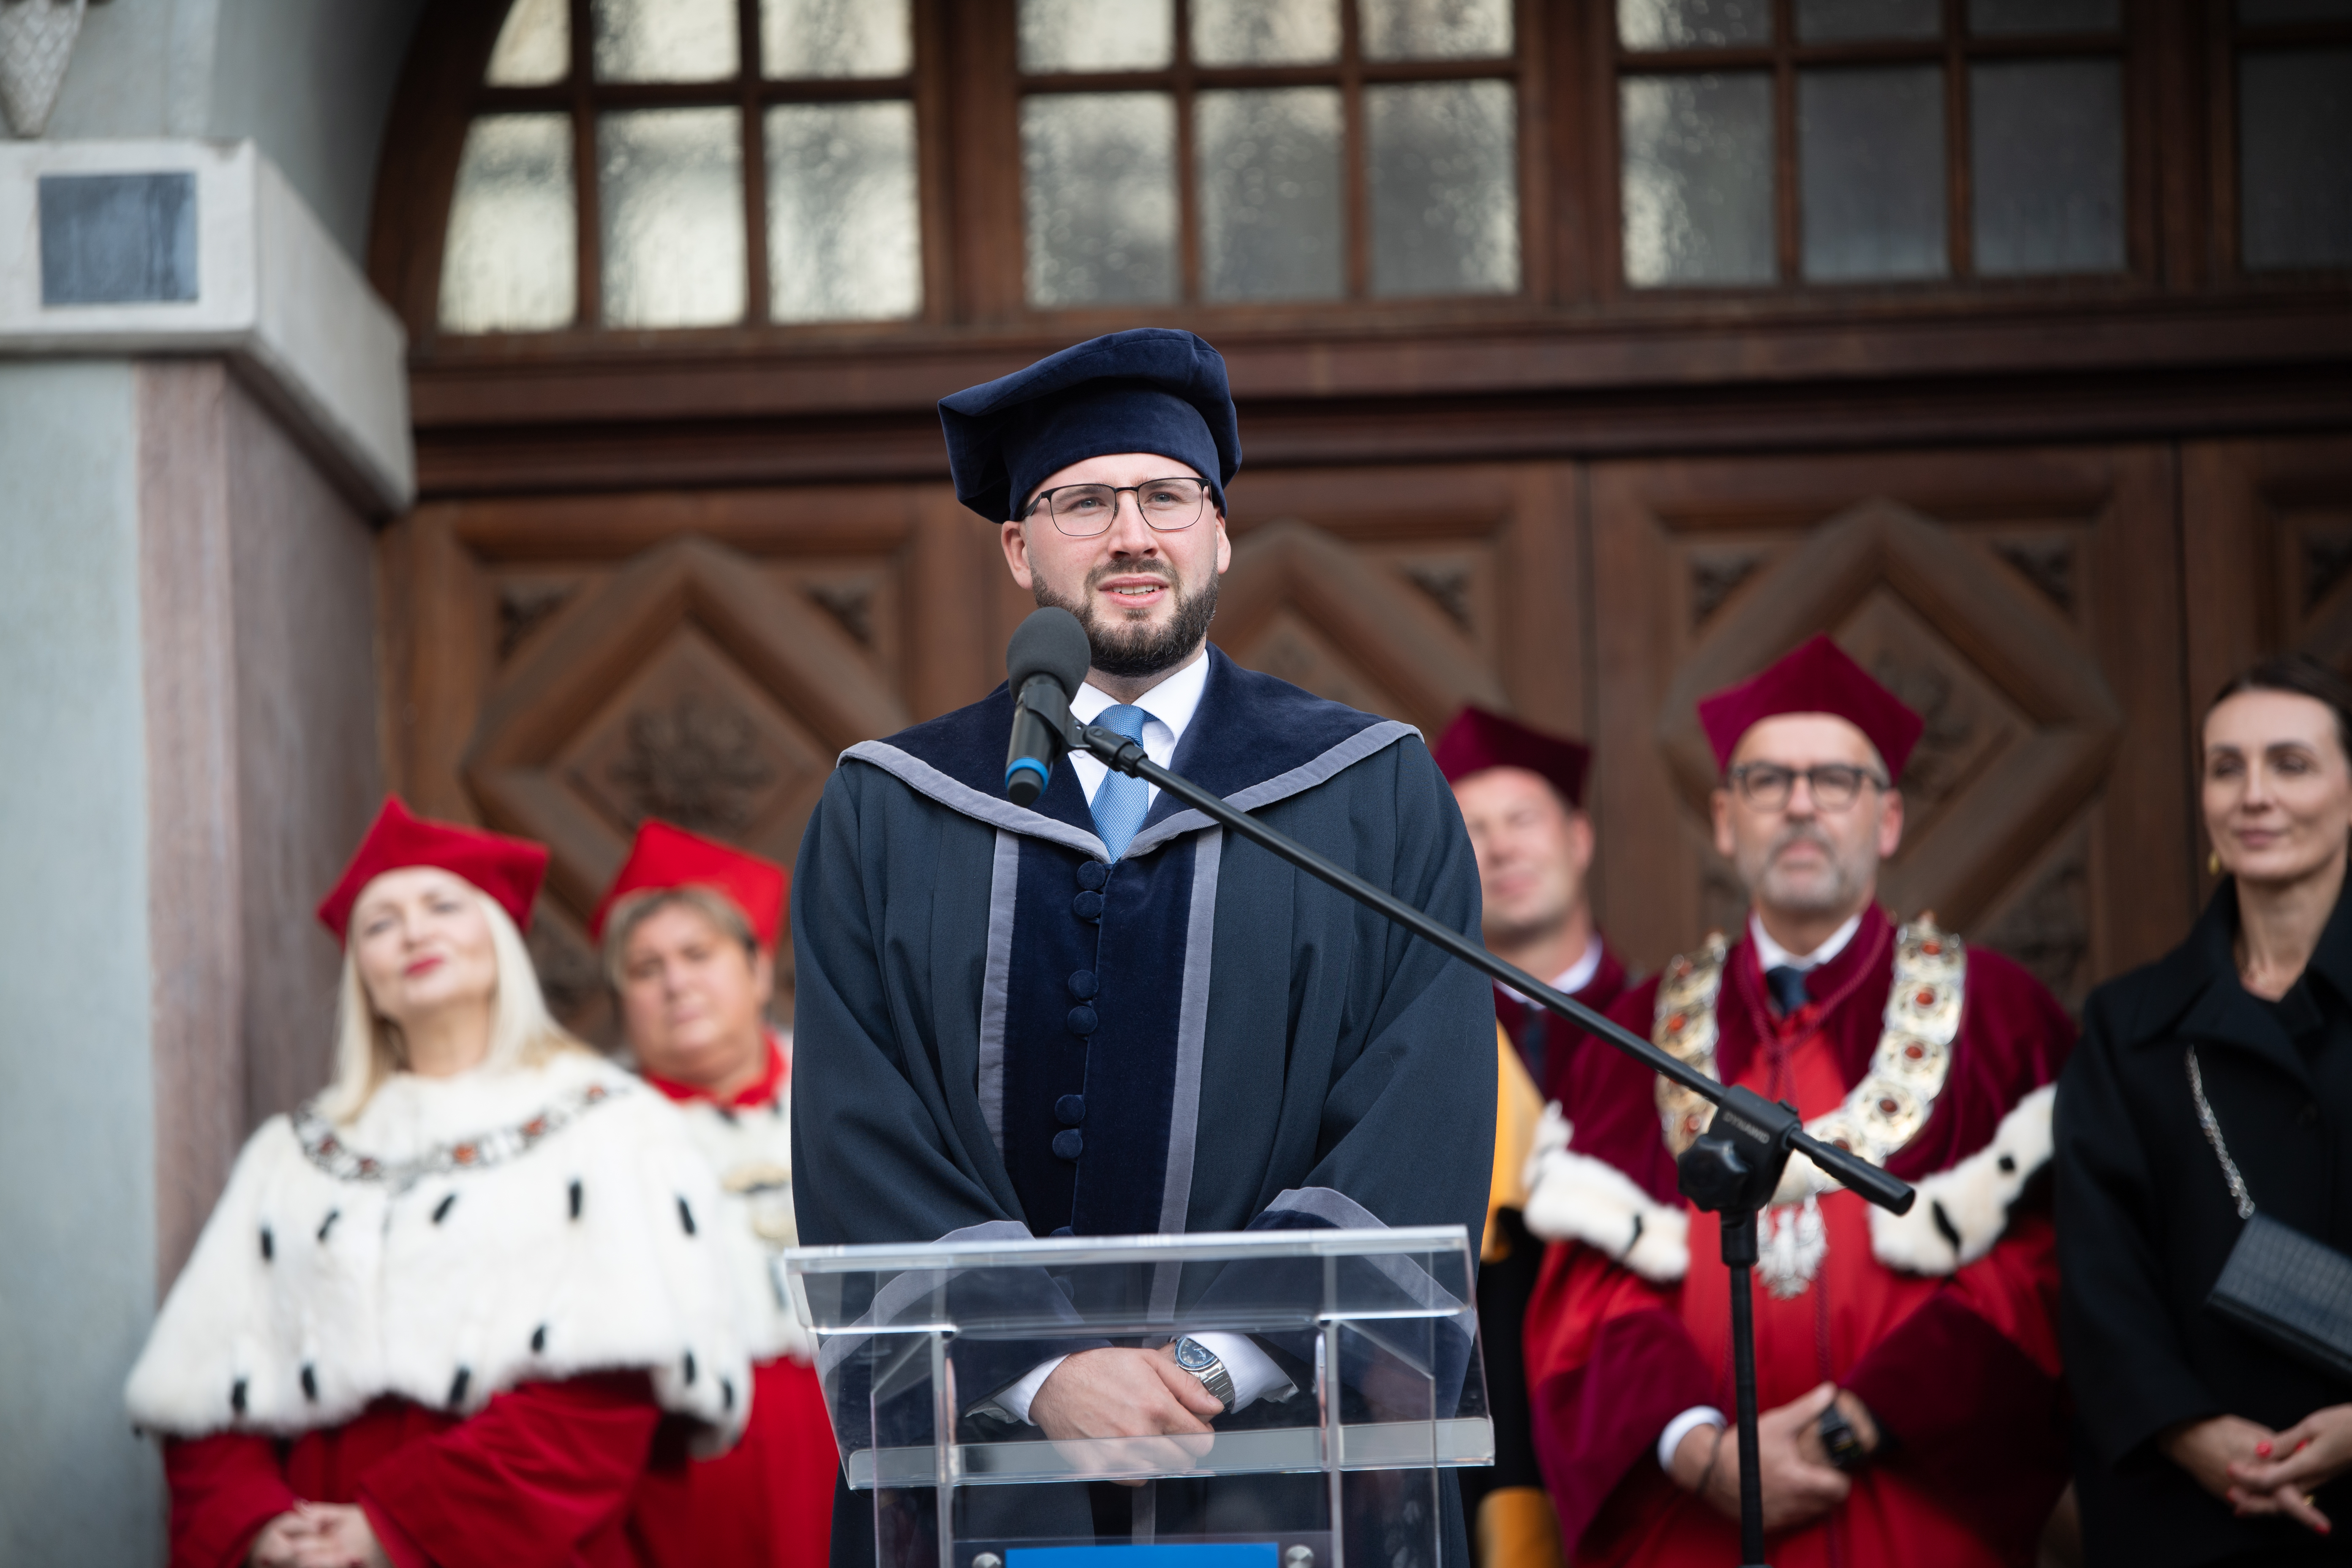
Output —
(1731, 1169)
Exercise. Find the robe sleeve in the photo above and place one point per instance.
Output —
(225, 1488)
(2131, 1375)
(543, 1467)
(1609, 1364)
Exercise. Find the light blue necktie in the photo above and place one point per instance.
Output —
(1118, 804)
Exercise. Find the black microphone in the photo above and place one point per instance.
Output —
(1045, 662)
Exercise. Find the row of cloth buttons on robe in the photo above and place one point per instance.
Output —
(1071, 1109)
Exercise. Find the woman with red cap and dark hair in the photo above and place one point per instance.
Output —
(439, 1313)
(689, 929)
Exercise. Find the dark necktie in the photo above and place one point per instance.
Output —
(1786, 982)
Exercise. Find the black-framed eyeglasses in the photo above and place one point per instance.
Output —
(1835, 787)
(1083, 511)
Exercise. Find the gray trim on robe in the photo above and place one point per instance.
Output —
(1191, 1044)
(924, 779)
(996, 980)
(1282, 786)
(1337, 1209)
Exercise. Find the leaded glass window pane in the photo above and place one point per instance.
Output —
(510, 261)
(2294, 124)
(844, 233)
(2003, 18)
(1692, 23)
(1434, 29)
(1444, 165)
(1870, 146)
(804, 38)
(1097, 35)
(670, 197)
(1264, 32)
(1840, 21)
(1270, 211)
(534, 47)
(1099, 187)
(2047, 154)
(1698, 179)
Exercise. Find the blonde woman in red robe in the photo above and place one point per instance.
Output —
(689, 929)
(1907, 1368)
(438, 1312)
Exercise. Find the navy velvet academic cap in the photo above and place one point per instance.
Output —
(1148, 389)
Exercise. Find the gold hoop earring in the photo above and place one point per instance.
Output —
(2213, 863)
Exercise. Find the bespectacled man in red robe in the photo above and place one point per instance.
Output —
(1907, 1367)
(1521, 792)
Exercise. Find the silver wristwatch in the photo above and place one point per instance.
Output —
(1203, 1362)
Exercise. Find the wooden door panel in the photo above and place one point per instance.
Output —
(2025, 602)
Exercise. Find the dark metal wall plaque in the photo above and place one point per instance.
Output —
(118, 239)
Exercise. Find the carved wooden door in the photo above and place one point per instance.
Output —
(2026, 602)
(563, 667)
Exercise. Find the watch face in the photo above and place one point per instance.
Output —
(1194, 1356)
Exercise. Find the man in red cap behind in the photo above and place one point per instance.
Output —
(1522, 797)
(689, 930)
(1906, 1367)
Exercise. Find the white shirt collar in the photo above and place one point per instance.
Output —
(1173, 702)
(1168, 708)
(1771, 956)
(1569, 981)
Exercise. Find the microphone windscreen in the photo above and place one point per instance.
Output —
(1050, 642)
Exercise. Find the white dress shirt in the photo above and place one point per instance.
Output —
(1572, 979)
(1769, 955)
(1170, 707)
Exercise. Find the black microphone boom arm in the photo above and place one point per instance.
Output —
(1116, 751)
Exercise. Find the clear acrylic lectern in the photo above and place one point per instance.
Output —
(1375, 1330)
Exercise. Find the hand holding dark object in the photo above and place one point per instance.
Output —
(1120, 1394)
(2288, 1469)
(1809, 1441)
(1798, 1487)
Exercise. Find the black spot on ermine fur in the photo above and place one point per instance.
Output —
(441, 1209)
(236, 1396)
(539, 1340)
(686, 1216)
(328, 1224)
(457, 1387)
(689, 1369)
(268, 1245)
(575, 1198)
(310, 1383)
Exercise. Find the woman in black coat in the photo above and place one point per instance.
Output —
(2198, 1442)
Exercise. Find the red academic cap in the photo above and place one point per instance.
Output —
(1815, 676)
(1478, 739)
(508, 870)
(665, 856)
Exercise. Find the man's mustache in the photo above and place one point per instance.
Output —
(1802, 834)
(1101, 574)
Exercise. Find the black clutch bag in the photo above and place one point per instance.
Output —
(2291, 1292)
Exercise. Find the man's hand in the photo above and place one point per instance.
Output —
(1857, 1416)
(1117, 1409)
(1797, 1487)
(2288, 1469)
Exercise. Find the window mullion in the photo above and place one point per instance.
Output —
(757, 294)
(1787, 200)
(590, 292)
(1356, 209)
(1188, 198)
(1960, 221)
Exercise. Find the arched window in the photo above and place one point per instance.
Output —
(653, 164)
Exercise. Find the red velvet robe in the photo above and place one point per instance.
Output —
(1563, 1041)
(768, 1502)
(1960, 1371)
(540, 1477)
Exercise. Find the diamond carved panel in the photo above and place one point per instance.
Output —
(2021, 723)
(1299, 604)
(690, 686)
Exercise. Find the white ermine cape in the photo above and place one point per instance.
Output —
(462, 1236)
(750, 1153)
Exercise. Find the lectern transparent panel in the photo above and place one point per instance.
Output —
(1360, 1347)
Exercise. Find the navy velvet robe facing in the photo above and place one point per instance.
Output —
(1234, 1044)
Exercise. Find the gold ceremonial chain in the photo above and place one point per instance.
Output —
(325, 1148)
(1884, 1111)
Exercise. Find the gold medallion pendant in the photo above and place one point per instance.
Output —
(1878, 1116)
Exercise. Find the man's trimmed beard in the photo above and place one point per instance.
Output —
(1845, 882)
(1129, 652)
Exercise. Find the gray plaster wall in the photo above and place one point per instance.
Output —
(310, 80)
(77, 1116)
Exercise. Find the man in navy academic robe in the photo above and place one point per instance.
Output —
(1102, 1016)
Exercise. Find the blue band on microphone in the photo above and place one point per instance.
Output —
(1033, 765)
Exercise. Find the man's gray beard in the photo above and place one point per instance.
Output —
(1130, 653)
(1843, 888)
